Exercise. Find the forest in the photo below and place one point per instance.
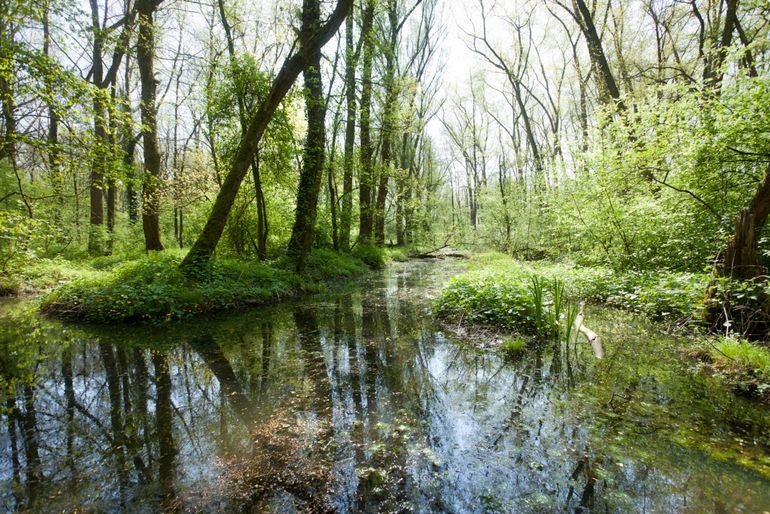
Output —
(548, 165)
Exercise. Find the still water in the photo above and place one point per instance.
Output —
(357, 401)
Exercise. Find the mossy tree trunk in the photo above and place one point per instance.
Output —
(311, 175)
(365, 180)
(388, 123)
(738, 260)
(207, 242)
(350, 138)
(96, 181)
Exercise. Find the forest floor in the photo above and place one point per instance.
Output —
(514, 298)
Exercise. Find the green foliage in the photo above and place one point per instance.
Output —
(323, 264)
(739, 306)
(153, 288)
(507, 302)
(396, 255)
(513, 346)
(754, 358)
(661, 295)
(743, 364)
(372, 255)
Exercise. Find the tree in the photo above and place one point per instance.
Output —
(366, 172)
(350, 137)
(207, 241)
(145, 57)
(102, 79)
(301, 241)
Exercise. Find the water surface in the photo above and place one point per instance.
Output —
(356, 400)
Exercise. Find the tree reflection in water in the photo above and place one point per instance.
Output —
(355, 401)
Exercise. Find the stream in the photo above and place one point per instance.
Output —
(357, 400)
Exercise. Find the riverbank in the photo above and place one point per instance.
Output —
(152, 288)
(539, 299)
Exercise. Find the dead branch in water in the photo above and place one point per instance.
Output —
(593, 337)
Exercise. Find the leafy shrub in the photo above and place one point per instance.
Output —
(740, 306)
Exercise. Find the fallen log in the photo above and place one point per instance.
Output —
(593, 337)
(431, 254)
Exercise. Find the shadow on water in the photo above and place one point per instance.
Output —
(356, 401)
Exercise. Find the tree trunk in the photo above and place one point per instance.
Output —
(96, 182)
(605, 80)
(145, 57)
(365, 178)
(739, 256)
(7, 100)
(54, 154)
(350, 138)
(207, 242)
(262, 226)
(333, 195)
(713, 70)
(388, 123)
(302, 235)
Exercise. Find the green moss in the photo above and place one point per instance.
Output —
(153, 287)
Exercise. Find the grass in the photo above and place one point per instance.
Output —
(513, 346)
(152, 288)
(744, 354)
(744, 365)
(495, 292)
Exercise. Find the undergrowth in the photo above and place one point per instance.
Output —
(524, 303)
(662, 296)
(153, 287)
(743, 364)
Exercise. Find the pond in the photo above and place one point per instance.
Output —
(356, 400)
